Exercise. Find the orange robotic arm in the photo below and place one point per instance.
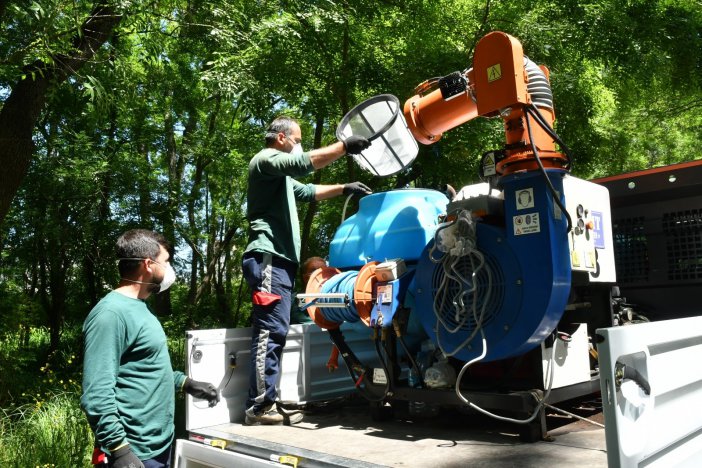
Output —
(501, 83)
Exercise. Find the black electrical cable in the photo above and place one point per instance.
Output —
(556, 197)
(356, 377)
(545, 125)
(534, 111)
(228, 380)
(426, 85)
(364, 391)
(385, 368)
(414, 363)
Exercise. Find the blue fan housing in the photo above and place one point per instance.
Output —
(530, 263)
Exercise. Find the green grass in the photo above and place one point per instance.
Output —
(41, 423)
(48, 433)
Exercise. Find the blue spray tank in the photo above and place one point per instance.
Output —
(395, 224)
(389, 225)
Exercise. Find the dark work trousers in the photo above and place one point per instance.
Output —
(162, 460)
(271, 280)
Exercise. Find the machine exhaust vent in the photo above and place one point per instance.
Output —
(683, 239)
(631, 250)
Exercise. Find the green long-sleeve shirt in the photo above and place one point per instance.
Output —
(271, 210)
(128, 382)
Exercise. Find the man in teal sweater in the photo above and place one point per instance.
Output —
(128, 382)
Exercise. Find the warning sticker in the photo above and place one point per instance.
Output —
(525, 198)
(526, 224)
(379, 376)
(494, 73)
(489, 165)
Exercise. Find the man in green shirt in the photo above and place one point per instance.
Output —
(273, 253)
(128, 382)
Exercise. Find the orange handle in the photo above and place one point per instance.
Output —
(333, 362)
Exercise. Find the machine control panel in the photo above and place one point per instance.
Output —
(590, 239)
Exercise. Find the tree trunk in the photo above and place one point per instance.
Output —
(200, 163)
(17, 118)
(57, 284)
(162, 302)
(312, 206)
(21, 110)
(92, 260)
(59, 264)
(213, 258)
(344, 97)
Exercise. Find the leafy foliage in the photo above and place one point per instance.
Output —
(157, 128)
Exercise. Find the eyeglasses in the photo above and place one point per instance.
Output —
(294, 141)
(143, 258)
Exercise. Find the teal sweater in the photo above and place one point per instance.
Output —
(128, 381)
(271, 210)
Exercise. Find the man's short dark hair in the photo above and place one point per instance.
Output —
(309, 266)
(281, 124)
(136, 244)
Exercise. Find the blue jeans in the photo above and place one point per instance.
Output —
(271, 280)
(162, 460)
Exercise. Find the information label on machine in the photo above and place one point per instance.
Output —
(525, 198)
(379, 376)
(598, 230)
(384, 292)
(526, 224)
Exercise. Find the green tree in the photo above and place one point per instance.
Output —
(34, 79)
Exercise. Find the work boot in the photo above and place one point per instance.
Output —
(289, 417)
(272, 416)
(268, 417)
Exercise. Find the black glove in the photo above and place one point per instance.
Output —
(203, 390)
(355, 144)
(356, 188)
(124, 458)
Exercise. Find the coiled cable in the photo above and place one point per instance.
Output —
(340, 283)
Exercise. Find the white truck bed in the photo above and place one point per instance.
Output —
(651, 412)
(341, 435)
(348, 437)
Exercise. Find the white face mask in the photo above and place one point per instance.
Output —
(169, 276)
(297, 149)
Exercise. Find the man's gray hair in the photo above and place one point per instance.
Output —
(282, 124)
(137, 244)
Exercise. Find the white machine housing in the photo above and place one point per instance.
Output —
(590, 240)
(304, 373)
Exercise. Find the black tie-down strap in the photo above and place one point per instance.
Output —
(361, 374)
